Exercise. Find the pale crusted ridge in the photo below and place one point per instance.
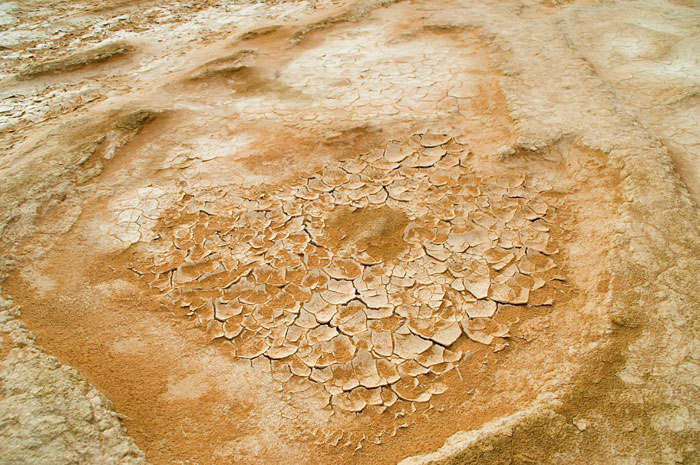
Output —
(56, 416)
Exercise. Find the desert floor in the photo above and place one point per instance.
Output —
(333, 232)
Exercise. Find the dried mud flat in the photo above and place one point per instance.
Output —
(326, 232)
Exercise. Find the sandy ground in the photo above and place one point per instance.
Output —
(330, 232)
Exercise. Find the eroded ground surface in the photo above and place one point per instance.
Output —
(330, 232)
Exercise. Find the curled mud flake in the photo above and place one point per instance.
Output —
(382, 343)
(452, 356)
(169, 262)
(373, 155)
(293, 207)
(280, 352)
(297, 384)
(321, 375)
(432, 295)
(297, 241)
(433, 356)
(251, 324)
(474, 329)
(478, 286)
(338, 292)
(351, 319)
(438, 388)
(280, 370)
(343, 268)
(425, 159)
(204, 313)
(409, 388)
(506, 274)
(314, 279)
(215, 329)
(304, 193)
(365, 369)
(256, 296)
(481, 309)
(191, 271)
(223, 310)
(312, 355)
(340, 348)
(442, 368)
(285, 259)
(319, 308)
(364, 257)
(434, 268)
(408, 346)
(364, 191)
(541, 299)
(498, 258)
(535, 262)
(373, 396)
(363, 340)
(252, 347)
(388, 397)
(387, 370)
(260, 242)
(378, 299)
(353, 166)
(299, 368)
(264, 315)
(380, 312)
(305, 320)
(499, 330)
(453, 147)
(423, 327)
(483, 219)
(284, 301)
(354, 183)
(418, 235)
(537, 283)
(370, 280)
(295, 334)
(348, 401)
(446, 333)
(396, 152)
(265, 274)
(384, 165)
(508, 294)
(298, 293)
(535, 240)
(457, 242)
(435, 153)
(334, 177)
(443, 209)
(448, 164)
(316, 184)
(411, 368)
(402, 282)
(400, 192)
(321, 333)
(378, 198)
(434, 140)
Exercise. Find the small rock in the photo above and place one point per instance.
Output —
(505, 151)
(580, 423)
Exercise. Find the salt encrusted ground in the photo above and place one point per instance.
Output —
(328, 232)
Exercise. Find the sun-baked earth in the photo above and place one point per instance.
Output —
(361, 232)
